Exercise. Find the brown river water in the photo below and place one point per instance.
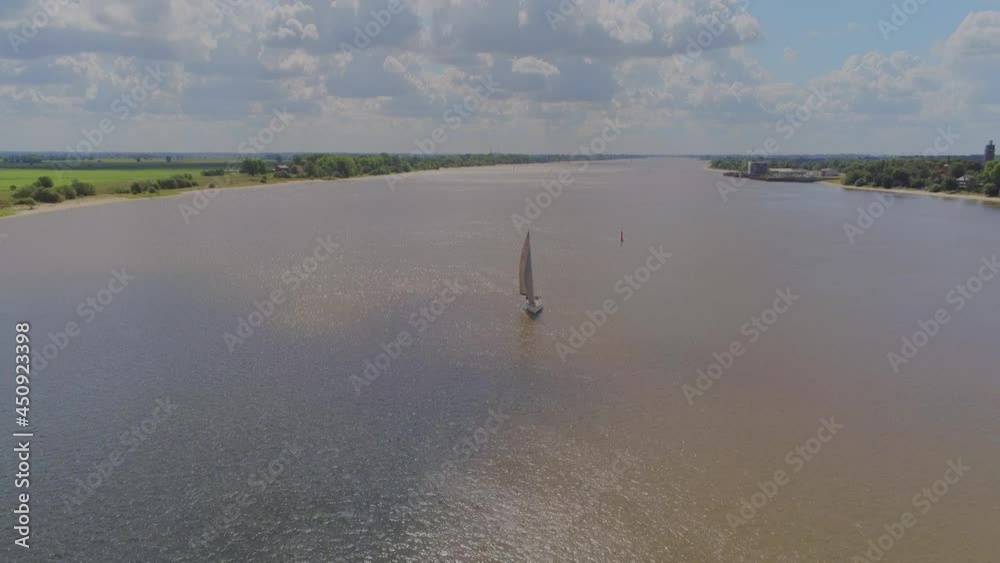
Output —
(719, 387)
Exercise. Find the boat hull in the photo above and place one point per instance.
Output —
(535, 309)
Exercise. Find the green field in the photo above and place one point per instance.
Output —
(115, 181)
(155, 176)
(100, 178)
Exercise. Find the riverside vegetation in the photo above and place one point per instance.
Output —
(931, 174)
(151, 175)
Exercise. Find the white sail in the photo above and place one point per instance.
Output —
(527, 281)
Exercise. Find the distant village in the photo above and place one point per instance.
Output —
(762, 170)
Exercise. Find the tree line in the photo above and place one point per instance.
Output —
(348, 166)
(934, 174)
(44, 190)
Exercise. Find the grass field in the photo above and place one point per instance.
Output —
(100, 178)
(123, 164)
(115, 181)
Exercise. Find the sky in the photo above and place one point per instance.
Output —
(525, 76)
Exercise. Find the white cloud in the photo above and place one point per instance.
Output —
(533, 65)
(558, 75)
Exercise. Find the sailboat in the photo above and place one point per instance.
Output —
(534, 304)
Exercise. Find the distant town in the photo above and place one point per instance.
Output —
(935, 174)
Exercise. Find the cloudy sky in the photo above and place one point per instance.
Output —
(683, 76)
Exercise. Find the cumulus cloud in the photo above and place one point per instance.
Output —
(534, 65)
(371, 73)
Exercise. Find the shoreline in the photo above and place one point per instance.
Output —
(107, 199)
(897, 191)
(910, 191)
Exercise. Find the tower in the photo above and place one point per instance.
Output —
(991, 153)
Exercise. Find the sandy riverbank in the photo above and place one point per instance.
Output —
(105, 199)
(910, 191)
(897, 191)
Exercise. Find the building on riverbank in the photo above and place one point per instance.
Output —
(967, 182)
(758, 168)
(991, 153)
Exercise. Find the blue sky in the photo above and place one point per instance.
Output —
(819, 30)
(359, 78)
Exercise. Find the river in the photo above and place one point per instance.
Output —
(165, 430)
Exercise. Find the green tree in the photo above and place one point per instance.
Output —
(900, 178)
(83, 189)
(45, 182)
(66, 192)
(253, 166)
(46, 195)
(991, 173)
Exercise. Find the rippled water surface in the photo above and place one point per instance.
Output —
(477, 441)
